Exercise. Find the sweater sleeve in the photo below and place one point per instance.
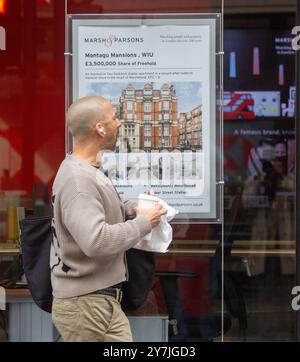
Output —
(84, 217)
(129, 207)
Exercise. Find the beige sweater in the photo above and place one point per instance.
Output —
(90, 235)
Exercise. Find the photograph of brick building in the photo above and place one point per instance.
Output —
(149, 117)
(164, 116)
(190, 129)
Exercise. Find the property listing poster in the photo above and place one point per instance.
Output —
(158, 79)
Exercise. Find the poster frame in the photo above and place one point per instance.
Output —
(214, 20)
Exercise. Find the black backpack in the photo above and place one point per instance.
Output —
(36, 239)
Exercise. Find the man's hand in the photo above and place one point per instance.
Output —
(153, 214)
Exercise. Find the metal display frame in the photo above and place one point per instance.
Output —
(215, 23)
(297, 128)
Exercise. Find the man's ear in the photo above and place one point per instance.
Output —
(100, 129)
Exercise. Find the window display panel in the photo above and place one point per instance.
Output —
(259, 269)
(191, 240)
(259, 200)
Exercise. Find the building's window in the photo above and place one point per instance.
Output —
(164, 142)
(147, 107)
(129, 106)
(147, 117)
(131, 130)
(166, 116)
(147, 130)
(129, 116)
(166, 131)
(166, 105)
(147, 142)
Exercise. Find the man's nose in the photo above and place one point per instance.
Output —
(118, 123)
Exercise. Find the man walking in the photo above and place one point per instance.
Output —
(91, 235)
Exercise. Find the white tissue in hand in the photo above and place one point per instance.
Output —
(161, 236)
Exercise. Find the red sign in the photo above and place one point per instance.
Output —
(2, 6)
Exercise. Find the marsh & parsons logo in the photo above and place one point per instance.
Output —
(113, 39)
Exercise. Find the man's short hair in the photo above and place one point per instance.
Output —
(83, 114)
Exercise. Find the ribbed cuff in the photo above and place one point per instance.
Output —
(143, 224)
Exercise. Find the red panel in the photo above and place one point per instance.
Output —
(32, 94)
(137, 6)
(2, 6)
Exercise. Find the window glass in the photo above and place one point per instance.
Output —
(166, 105)
(129, 106)
(259, 191)
(147, 107)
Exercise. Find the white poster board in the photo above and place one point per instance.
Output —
(160, 73)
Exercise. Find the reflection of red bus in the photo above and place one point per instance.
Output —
(238, 106)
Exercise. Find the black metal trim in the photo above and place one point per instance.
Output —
(297, 121)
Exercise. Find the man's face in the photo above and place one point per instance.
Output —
(111, 127)
(280, 150)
